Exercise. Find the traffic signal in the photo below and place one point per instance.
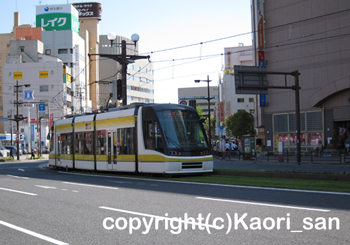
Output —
(119, 89)
(193, 103)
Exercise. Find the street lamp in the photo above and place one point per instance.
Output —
(123, 59)
(208, 81)
(18, 118)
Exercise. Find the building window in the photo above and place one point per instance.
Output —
(21, 48)
(48, 51)
(240, 100)
(63, 51)
(251, 99)
(44, 88)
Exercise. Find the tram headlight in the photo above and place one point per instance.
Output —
(175, 153)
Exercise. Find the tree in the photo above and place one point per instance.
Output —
(199, 110)
(205, 124)
(240, 123)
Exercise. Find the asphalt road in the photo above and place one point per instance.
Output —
(43, 206)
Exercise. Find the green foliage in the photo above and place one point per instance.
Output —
(212, 118)
(240, 123)
(199, 110)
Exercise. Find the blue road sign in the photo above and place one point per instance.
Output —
(262, 100)
(28, 94)
(41, 107)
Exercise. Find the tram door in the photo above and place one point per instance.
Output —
(112, 149)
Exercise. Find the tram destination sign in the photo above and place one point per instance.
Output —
(250, 80)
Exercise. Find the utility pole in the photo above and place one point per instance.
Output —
(209, 133)
(123, 59)
(18, 117)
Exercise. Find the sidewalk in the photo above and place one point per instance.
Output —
(26, 157)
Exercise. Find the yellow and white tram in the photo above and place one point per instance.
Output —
(145, 138)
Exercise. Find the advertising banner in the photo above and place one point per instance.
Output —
(259, 17)
(57, 17)
(89, 10)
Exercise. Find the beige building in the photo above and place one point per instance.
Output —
(312, 39)
(235, 56)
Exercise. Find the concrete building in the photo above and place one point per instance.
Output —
(46, 76)
(19, 32)
(61, 39)
(312, 39)
(69, 47)
(233, 102)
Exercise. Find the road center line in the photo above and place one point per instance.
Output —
(21, 192)
(96, 186)
(263, 204)
(32, 233)
(46, 187)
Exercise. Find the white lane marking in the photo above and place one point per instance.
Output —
(157, 217)
(221, 185)
(21, 192)
(16, 176)
(97, 186)
(46, 187)
(32, 233)
(263, 204)
(21, 170)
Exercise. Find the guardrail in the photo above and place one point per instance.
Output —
(314, 156)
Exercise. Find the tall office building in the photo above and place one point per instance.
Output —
(313, 40)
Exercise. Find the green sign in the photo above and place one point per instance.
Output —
(57, 17)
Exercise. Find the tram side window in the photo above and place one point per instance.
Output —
(125, 141)
(83, 143)
(101, 142)
(152, 137)
(65, 141)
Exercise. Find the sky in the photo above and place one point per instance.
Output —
(185, 38)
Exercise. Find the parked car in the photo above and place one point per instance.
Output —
(4, 149)
(14, 149)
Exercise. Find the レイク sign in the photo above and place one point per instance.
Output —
(57, 17)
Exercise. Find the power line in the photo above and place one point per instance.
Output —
(248, 33)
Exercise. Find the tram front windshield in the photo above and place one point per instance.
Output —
(182, 130)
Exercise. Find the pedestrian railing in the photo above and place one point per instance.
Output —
(287, 156)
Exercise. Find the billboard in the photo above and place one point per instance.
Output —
(259, 23)
(89, 10)
(57, 17)
(250, 80)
